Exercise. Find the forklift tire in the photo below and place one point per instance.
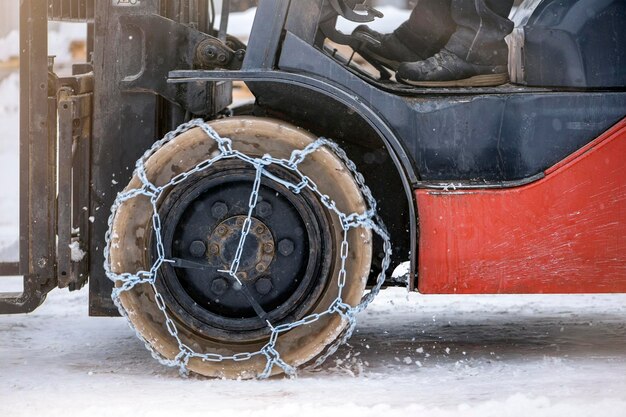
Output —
(227, 327)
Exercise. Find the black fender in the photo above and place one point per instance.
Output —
(318, 105)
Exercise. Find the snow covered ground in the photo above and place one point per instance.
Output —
(412, 355)
(9, 167)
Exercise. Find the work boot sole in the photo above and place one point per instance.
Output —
(487, 80)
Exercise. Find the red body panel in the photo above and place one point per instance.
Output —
(562, 234)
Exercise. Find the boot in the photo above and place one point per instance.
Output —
(446, 69)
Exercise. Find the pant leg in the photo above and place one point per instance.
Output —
(429, 28)
(481, 28)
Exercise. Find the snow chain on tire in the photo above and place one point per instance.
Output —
(369, 220)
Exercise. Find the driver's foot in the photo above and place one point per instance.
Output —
(388, 49)
(446, 69)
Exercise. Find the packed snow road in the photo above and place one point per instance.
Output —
(412, 355)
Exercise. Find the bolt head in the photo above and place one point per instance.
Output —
(264, 209)
(286, 247)
(268, 248)
(260, 230)
(214, 249)
(209, 50)
(222, 230)
(260, 267)
(219, 286)
(219, 210)
(197, 248)
(263, 286)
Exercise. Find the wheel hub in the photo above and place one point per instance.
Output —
(283, 266)
(258, 251)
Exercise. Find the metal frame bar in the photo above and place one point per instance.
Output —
(37, 167)
(9, 269)
(74, 114)
(39, 188)
(267, 29)
(114, 128)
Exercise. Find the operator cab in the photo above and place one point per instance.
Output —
(555, 45)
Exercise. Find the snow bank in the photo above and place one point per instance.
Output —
(10, 46)
(9, 100)
(9, 167)
(60, 37)
(515, 406)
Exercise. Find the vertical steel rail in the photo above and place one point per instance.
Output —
(37, 165)
(38, 148)
(124, 126)
(225, 14)
(267, 30)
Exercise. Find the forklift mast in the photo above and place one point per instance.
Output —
(55, 129)
(80, 135)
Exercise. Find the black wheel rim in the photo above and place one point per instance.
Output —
(285, 264)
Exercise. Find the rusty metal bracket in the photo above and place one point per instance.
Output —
(73, 229)
(164, 45)
(212, 53)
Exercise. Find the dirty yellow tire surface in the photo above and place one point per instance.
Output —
(133, 236)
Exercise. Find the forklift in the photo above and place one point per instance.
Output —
(241, 241)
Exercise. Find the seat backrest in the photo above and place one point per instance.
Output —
(569, 43)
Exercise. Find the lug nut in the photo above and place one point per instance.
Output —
(260, 230)
(197, 248)
(286, 247)
(260, 268)
(222, 230)
(264, 209)
(268, 248)
(219, 286)
(219, 210)
(263, 286)
(214, 249)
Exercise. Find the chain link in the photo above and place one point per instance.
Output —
(368, 220)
